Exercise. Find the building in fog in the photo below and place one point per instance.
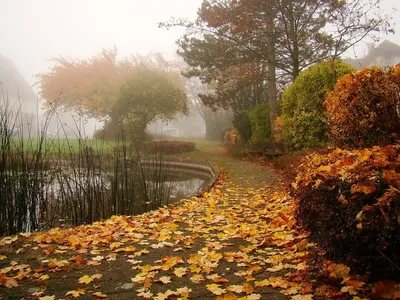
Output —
(17, 98)
(385, 54)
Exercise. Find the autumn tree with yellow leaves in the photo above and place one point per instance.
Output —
(122, 93)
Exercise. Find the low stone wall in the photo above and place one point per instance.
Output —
(192, 167)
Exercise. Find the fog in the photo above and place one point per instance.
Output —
(34, 31)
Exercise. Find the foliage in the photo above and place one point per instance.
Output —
(363, 110)
(278, 129)
(234, 44)
(170, 147)
(302, 105)
(350, 201)
(242, 123)
(146, 95)
(237, 151)
(110, 90)
(260, 125)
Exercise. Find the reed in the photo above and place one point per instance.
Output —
(53, 181)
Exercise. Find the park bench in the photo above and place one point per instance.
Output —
(266, 150)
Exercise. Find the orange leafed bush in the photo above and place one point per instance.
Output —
(350, 202)
(364, 108)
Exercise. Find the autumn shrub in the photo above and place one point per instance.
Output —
(302, 105)
(364, 108)
(350, 202)
(260, 125)
(242, 124)
(170, 147)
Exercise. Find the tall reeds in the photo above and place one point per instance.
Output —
(48, 181)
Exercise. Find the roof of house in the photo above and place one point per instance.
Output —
(384, 49)
(13, 85)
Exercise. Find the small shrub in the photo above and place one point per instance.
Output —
(302, 105)
(278, 129)
(170, 147)
(237, 150)
(260, 125)
(364, 108)
(242, 124)
(350, 202)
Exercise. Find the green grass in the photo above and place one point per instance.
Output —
(65, 146)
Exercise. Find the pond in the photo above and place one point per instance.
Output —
(184, 183)
(70, 197)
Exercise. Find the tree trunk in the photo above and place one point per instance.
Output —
(272, 92)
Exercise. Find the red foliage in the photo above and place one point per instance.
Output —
(350, 201)
(364, 108)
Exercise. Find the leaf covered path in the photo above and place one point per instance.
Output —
(235, 242)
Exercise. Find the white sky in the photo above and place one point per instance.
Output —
(33, 31)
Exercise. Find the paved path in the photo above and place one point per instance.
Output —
(229, 242)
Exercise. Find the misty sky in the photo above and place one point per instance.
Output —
(32, 31)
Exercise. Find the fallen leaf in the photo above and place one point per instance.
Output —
(75, 293)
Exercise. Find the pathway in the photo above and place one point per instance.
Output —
(235, 242)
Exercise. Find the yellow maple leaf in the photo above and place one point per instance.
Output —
(145, 294)
(247, 288)
(86, 279)
(217, 279)
(228, 296)
(215, 289)
(179, 272)
(96, 276)
(138, 278)
(195, 268)
(235, 288)
(253, 297)
(100, 295)
(197, 278)
(171, 261)
(164, 296)
(165, 279)
(115, 245)
(75, 293)
(126, 249)
(44, 277)
(183, 292)
(338, 271)
(47, 297)
(20, 250)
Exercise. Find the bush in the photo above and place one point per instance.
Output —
(364, 108)
(302, 105)
(260, 125)
(170, 147)
(242, 124)
(350, 202)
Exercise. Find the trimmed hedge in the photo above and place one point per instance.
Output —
(170, 147)
(302, 105)
(350, 202)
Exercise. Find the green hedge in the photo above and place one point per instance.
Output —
(302, 105)
(170, 147)
(260, 125)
